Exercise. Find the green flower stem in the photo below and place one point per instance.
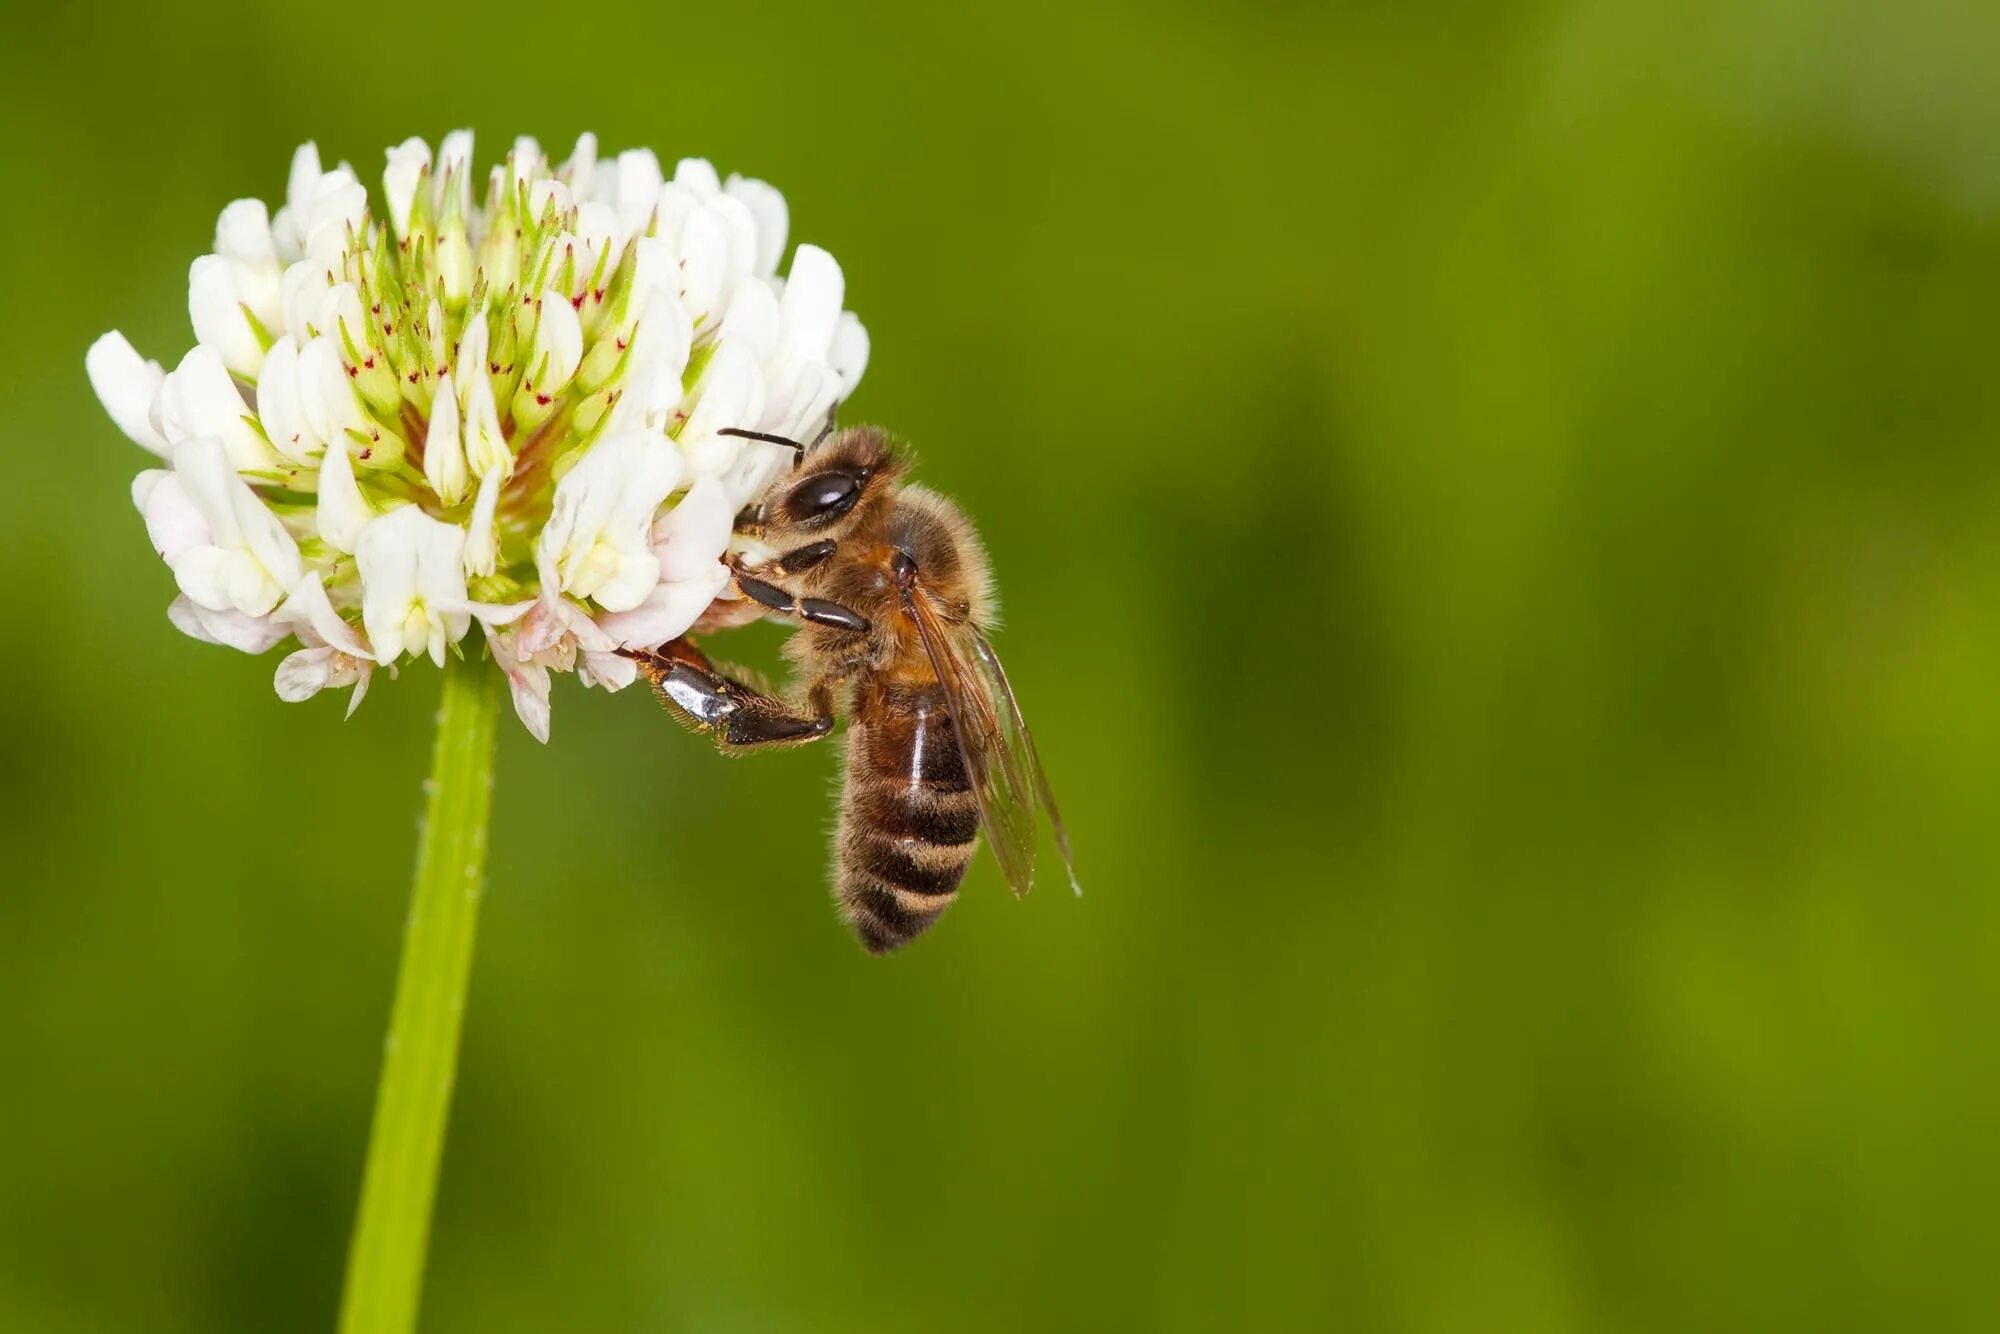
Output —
(385, 1264)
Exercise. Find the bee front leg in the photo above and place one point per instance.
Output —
(818, 611)
(738, 716)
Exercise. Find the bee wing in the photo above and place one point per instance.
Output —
(1021, 746)
(1000, 757)
(990, 737)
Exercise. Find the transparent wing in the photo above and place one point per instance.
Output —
(1021, 743)
(991, 738)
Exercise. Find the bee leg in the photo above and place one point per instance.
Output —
(816, 610)
(739, 716)
(800, 559)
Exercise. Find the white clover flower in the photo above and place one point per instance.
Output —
(506, 414)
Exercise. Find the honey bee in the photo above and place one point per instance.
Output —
(888, 585)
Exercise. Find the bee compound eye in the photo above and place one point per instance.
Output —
(822, 497)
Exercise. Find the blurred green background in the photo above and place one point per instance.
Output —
(1495, 505)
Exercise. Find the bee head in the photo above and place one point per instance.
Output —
(831, 483)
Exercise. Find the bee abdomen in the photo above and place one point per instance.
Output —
(909, 826)
(894, 884)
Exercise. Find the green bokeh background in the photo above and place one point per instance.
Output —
(1496, 510)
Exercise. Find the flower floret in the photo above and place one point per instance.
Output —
(506, 407)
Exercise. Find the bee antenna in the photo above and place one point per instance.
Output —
(798, 450)
(826, 428)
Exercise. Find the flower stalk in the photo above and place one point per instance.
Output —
(385, 1263)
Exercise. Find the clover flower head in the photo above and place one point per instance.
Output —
(499, 408)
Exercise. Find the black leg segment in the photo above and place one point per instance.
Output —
(739, 716)
(816, 610)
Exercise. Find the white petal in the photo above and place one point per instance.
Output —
(470, 359)
(849, 353)
(302, 289)
(173, 522)
(333, 402)
(343, 512)
(811, 304)
(216, 310)
(587, 492)
(696, 174)
(342, 319)
(730, 393)
(581, 169)
(183, 614)
(801, 399)
(638, 189)
(753, 320)
(482, 548)
(746, 479)
(269, 542)
(235, 630)
(649, 474)
(339, 208)
(282, 409)
(209, 576)
(659, 354)
(386, 557)
(231, 629)
(243, 237)
(677, 203)
(311, 616)
(740, 226)
(126, 384)
(434, 333)
(597, 540)
(408, 162)
(243, 233)
(412, 584)
(767, 206)
(704, 260)
(636, 576)
(656, 264)
(199, 399)
(607, 671)
(444, 446)
(630, 412)
(596, 233)
(250, 559)
(364, 671)
(668, 611)
(691, 537)
(493, 613)
(305, 176)
(143, 484)
(288, 228)
(559, 339)
(542, 631)
(486, 448)
(546, 192)
(441, 576)
(454, 173)
(529, 684)
(524, 160)
(202, 467)
(303, 674)
(326, 395)
(583, 632)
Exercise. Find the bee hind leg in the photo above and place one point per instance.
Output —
(738, 716)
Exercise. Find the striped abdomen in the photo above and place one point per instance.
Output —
(909, 823)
